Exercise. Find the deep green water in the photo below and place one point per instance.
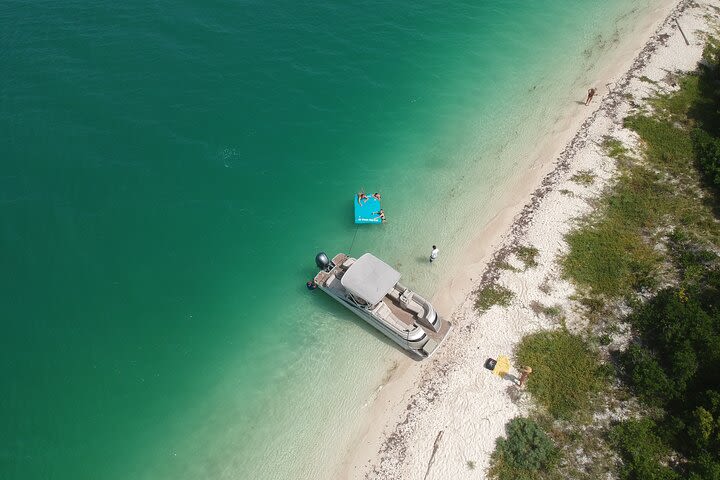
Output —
(170, 169)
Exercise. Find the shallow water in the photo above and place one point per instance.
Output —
(169, 172)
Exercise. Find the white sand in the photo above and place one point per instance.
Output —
(452, 392)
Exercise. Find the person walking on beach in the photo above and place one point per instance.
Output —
(591, 94)
(524, 374)
(434, 253)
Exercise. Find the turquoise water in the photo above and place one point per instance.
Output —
(170, 169)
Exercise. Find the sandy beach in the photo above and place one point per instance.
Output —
(449, 408)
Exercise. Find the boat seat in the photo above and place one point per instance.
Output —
(339, 259)
(348, 262)
(382, 310)
(321, 277)
(330, 280)
(406, 296)
(394, 294)
(418, 310)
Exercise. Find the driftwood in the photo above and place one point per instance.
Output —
(435, 449)
(681, 31)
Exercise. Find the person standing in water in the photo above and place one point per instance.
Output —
(591, 94)
(434, 253)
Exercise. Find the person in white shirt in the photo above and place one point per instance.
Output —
(434, 253)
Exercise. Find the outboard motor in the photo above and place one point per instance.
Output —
(323, 262)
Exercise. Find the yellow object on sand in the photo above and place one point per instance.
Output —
(502, 367)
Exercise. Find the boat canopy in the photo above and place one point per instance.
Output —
(370, 278)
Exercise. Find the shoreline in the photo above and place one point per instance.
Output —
(401, 426)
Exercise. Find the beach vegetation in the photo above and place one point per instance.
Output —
(647, 263)
(614, 252)
(549, 311)
(614, 147)
(643, 452)
(584, 177)
(525, 453)
(566, 375)
(607, 255)
(545, 286)
(490, 295)
(470, 464)
(527, 255)
(505, 265)
(553, 311)
(647, 80)
(672, 367)
(596, 311)
(671, 363)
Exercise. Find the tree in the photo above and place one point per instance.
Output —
(642, 450)
(527, 446)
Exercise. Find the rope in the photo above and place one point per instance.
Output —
(357, 227)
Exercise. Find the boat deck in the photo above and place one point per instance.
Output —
(408, 318)
(440, 335)
(403, 315)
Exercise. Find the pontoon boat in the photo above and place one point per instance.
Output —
(371, 288)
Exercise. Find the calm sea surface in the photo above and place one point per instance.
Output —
(168, 171)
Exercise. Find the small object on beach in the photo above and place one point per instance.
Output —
(490, 363)
(524, 374)
(436, 445)
(590, 95)
(311, 285)
(502, 367)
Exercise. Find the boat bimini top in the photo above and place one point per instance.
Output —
(370, 278)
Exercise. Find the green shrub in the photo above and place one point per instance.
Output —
(527, 255)
(566, 373)
(690, 258)
(705, 467)
(642, 451)
(584, 177)
(525, 452)
(647, 377)
(707, 153)
(682, 327)
(490, 295)
(609, 259)
(701, 427)
(665, 145)
(615, 148)
(676, 368)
